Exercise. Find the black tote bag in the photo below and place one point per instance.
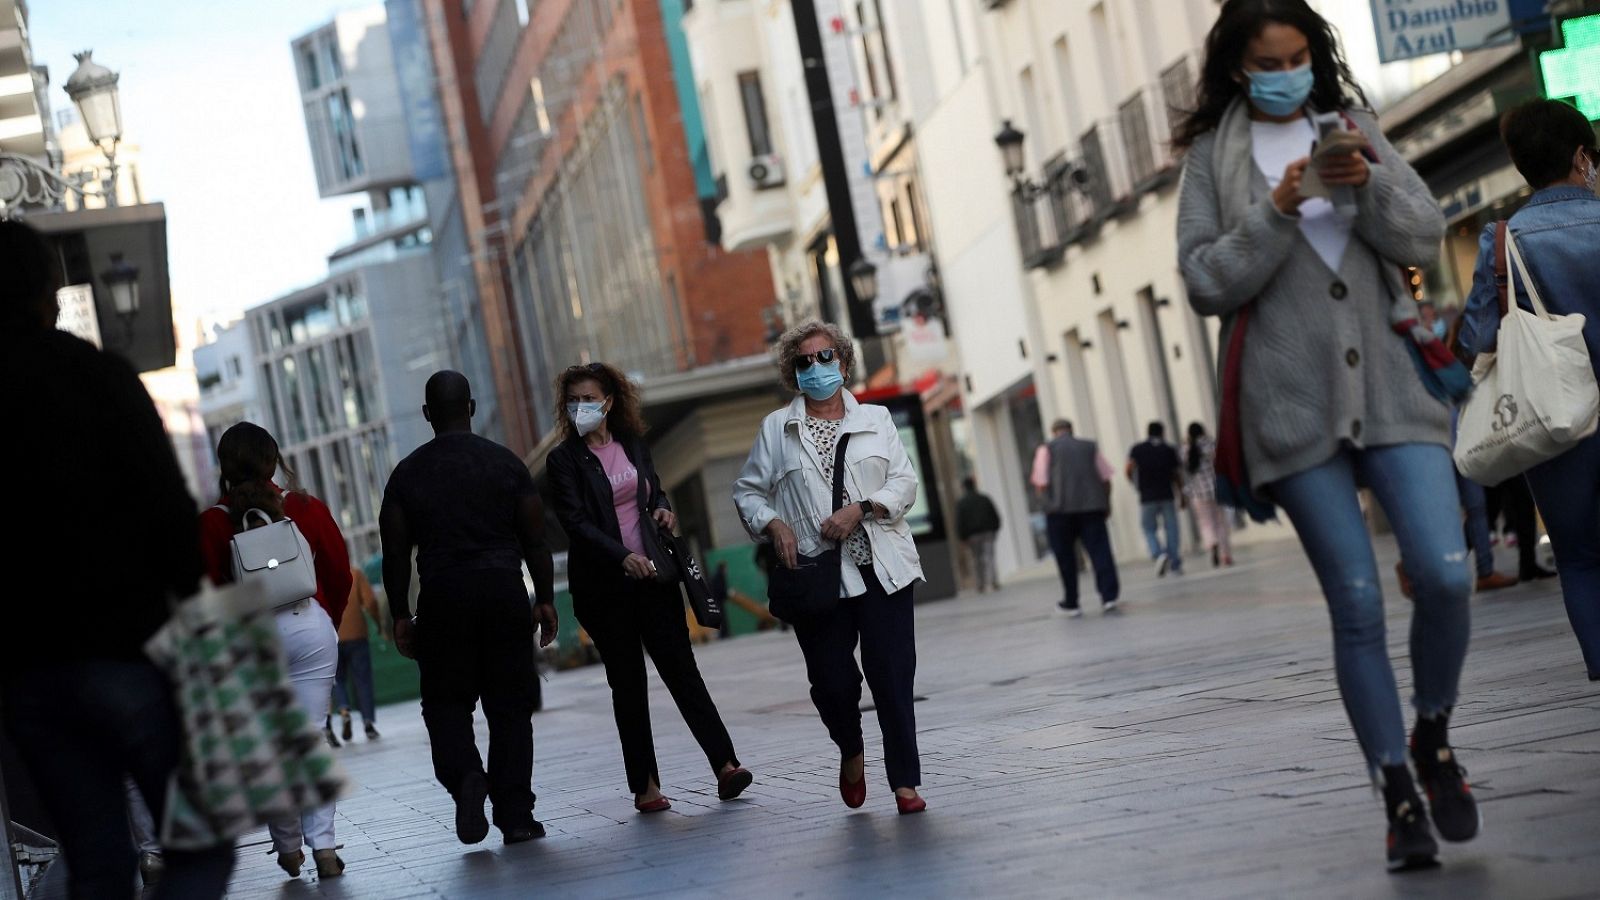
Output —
(811, 588)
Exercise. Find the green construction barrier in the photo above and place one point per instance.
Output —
(394, 678)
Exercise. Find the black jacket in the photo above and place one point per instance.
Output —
(107, 534)
(581, 497)
(976, 514)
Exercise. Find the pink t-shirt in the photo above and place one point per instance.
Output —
(624, 480)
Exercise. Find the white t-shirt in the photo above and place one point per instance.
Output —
(1276, 144)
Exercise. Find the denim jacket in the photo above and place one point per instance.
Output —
(783, 479)
(1558, 232)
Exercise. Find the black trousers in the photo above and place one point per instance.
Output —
(884, 625)
(475, 642)
(646, 616)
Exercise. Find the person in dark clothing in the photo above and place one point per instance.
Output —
(604, 491)
(1512, 499)
(82, 704)
(1155, 467)
(977, 521)
(1074, 480)
(469, 507)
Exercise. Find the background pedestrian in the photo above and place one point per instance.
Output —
(1074, 483)
(1153, 466)
(977, 521)
(354, 676)
(249, 459)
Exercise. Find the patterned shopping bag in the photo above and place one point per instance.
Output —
(250, 752)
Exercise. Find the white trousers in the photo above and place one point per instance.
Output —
(311, 648)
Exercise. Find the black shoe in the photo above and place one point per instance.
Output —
(1064, 604)
(523, 835)
(330, 737)
(1410, 842)
(1216, 556)
(1535, 573)
(346, 732)
(471, 824)
(372, 732)
(1455, 812)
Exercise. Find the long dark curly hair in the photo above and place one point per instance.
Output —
(248, 456)
(625, 418)
(1237, 24)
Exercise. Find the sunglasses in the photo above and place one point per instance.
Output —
(806, 361)
(590, 367)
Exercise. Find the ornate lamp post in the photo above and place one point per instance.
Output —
(122, 280)
(93, 89)
(864, 280)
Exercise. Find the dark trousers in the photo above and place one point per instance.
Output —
(1065, 531)
(354, 676)
(649, 617)
(79, 727)
(475, 641)
(1513, 500)
(885, 626)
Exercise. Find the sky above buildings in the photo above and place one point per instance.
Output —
(209, 93)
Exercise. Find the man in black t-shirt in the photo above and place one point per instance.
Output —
(1155, 467)
(469, 508)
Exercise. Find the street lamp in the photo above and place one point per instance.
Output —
(1009, 140)
(864, 280)
(93, 89)
(122, 280)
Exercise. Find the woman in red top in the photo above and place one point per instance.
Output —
(249, 458)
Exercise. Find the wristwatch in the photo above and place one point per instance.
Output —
(866, 509)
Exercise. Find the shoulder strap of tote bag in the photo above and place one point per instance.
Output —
(1516, 267)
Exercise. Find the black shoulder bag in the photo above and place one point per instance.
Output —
(811, 588)
(674, 563)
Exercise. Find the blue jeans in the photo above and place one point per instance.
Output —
(1476, 506)
(79, 726)
(354, 676)
(1065, 531)
(1567, 491)
(1161, 512)
(1415, 483)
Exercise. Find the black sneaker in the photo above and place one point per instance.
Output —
(1411, 844)
(523, 835)
(346, 732)
(1455, 812)
(471, 824)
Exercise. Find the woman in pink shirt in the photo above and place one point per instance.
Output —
(604, 491)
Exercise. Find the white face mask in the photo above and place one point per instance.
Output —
(586, 417)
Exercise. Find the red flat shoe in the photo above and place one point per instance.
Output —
(733, 783)
(854, 794)
(909, 805)
(660, 804)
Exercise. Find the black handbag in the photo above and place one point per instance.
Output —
(707, 607)
(657, 542)
(811, 588)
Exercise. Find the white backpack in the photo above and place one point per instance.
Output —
(277, 557)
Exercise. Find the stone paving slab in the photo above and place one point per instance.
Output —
(1191, 745)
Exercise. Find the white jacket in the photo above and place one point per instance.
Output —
(783, 479)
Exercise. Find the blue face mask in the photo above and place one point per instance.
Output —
(1281, 93)
(1439, 330)
(821, 381)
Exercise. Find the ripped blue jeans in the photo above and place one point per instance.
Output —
(1416, 486)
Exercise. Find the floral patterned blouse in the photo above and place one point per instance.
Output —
(824, 436)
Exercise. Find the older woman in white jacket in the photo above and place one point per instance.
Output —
(785, 495)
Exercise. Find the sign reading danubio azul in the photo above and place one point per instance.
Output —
(1407, 29)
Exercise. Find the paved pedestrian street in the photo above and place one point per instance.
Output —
(1190, 745)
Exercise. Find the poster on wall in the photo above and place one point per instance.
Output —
(77, 315)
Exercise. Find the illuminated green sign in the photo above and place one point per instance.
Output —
(1574, 70)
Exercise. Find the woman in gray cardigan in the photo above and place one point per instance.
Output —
(1329, 381)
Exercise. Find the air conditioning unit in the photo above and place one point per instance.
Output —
(766, 172)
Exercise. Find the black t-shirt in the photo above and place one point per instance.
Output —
(1154, 464)
(460, 494)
